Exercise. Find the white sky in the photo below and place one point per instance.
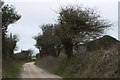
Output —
(37, 12)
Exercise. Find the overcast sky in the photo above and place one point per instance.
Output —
(37, 12)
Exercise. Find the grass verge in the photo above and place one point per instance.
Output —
(97, 64)
(11, 69)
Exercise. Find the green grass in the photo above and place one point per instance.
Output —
(13, 71)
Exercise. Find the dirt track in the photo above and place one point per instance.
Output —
(29, 70)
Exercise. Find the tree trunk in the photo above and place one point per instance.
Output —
(68, 46)
(59, 49)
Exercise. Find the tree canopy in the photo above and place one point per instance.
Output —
(9, 16)
(86, 23)
(75, 24)
(48, 41)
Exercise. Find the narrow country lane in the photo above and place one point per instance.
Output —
(29, 70)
